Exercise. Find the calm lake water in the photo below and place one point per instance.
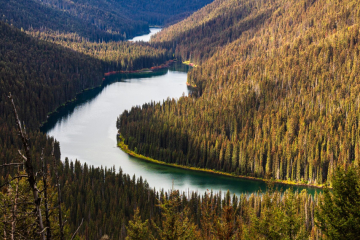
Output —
(87, 131)
(146, 37)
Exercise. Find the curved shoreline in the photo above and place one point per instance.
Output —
(145, 71)
(121, 144)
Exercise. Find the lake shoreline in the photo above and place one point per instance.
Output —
(125, 148)
(108, 74)
(144, 70)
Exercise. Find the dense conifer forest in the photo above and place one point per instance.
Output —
(44, 76)
(277, 95)
(102, 20)
(117, 55)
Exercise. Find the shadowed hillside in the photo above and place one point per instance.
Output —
(277, 93)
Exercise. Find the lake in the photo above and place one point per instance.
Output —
(146, 37)
(86, 129)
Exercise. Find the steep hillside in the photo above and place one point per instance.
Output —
(102, 20)
(42, 76)
(154, 12)
(217, 24)
(32, 14)
(280, 100)
(122, 55)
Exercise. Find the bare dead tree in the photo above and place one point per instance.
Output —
(61, 223)
(11, 164)
(29, 168)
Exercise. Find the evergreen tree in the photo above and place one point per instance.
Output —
(138, 230)
(338, 215)
(175, 224)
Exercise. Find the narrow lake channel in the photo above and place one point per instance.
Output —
(87, 132)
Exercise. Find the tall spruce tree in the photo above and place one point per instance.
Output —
(338, 215)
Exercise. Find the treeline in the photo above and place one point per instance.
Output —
(117, 55)
(106, 15)
(105, 198)
(155, 12)
(104, 20)
(42, 76)
(108, 200)
(272, 215)
(34, 15)
(105, 201)
(113, 205)
(279, 102)
(202, 34)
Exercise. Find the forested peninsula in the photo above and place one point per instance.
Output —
(275, 97)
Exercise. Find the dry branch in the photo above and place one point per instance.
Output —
(11, 164)
(77, 229)
(29, 167)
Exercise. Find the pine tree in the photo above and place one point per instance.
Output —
(176, 224)
(291, 221)
(138, 230)
(338, 215)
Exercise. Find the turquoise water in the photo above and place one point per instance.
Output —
(86, 129)
(87, 132)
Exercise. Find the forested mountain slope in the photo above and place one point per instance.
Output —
(102, 20)
(154, 12)
(121, 55)
(279, 100)
(199, 36)
(42, 76)
(32, 14)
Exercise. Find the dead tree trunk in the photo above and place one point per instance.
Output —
(29, 169)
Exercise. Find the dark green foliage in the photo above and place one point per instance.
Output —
(105, 199)
(101, 20)
(138, 229)
(154, 12)
(42, 76)
(33, 14)
(116, 55)
(175, 224)
(339, 216)
(278, 100)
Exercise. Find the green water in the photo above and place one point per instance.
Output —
(87, 132)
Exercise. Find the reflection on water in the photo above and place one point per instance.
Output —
(87, 130)
(145, 38)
